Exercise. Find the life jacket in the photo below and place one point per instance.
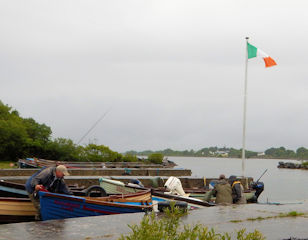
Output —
(242, 199)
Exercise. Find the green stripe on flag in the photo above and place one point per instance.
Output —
(252, 51)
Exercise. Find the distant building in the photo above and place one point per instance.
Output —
(260, 154)
(222, 153)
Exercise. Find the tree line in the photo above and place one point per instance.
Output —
(24, 137)
(280, 153)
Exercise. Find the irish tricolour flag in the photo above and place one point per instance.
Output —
(257, 52)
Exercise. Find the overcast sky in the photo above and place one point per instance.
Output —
(171, 72)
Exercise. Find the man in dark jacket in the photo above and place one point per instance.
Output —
(50, 179)
(237, 191)
(222, 190)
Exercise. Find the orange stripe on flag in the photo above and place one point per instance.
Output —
(269, 62)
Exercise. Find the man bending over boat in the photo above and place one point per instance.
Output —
(50, 179)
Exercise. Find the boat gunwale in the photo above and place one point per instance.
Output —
(136, 194)
(179, 198)
(5, 183)
(93, 201)
(15, 199)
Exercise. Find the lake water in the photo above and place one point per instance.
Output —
(281, 185)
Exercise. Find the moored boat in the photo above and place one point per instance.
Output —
(118, 187)
(59, 206)
(10, 189)
(38, 163)
(16, 210)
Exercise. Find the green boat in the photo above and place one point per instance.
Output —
(117, 187)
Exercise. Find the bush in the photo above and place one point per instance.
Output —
(62, 149)
(129, 158)
(305, 163)
(168, 228)
(156, 158)
(100, 153)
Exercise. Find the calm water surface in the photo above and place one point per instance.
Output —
(281, 185)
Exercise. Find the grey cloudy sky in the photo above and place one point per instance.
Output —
(172, 72)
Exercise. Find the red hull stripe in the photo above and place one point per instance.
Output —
(98, 210)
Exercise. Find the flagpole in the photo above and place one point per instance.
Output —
(244, 111)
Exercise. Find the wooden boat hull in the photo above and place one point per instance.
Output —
(38, 163)
(193, 203)
(15, 190)
(4, 219)
(116, 187)
(145, 196)
(58, 206)
(16, 210)
(249, 195)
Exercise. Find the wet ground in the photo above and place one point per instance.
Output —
(224, 219)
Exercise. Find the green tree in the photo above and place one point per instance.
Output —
(156, 158)
(129, 158)
(38, 136)
(20, 137)
(280, 152)
(24, 137)
(13, 134)
(302, 153)
(100, 153)
(62, 149)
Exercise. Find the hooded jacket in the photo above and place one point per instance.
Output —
(223, 192)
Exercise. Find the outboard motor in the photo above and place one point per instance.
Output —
(212, 184)
(174, 185)
(259, 187)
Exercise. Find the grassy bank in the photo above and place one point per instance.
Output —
(7, 164)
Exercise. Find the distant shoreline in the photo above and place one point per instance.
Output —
(260, 158)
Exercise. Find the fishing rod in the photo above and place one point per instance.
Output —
(94, 125)
(262, 175)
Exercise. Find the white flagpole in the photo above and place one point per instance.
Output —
(244, 112)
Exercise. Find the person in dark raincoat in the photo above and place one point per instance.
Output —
(237, 191)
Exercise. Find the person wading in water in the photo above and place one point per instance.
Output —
(222, 191)
(237, 191)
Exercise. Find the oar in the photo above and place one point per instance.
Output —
(278, 203)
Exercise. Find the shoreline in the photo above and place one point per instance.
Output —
(221, 218)
(278, 159)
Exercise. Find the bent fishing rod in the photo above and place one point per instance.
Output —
(93, 126)
(261, 175)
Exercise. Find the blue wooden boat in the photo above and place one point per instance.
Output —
(59, 206)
